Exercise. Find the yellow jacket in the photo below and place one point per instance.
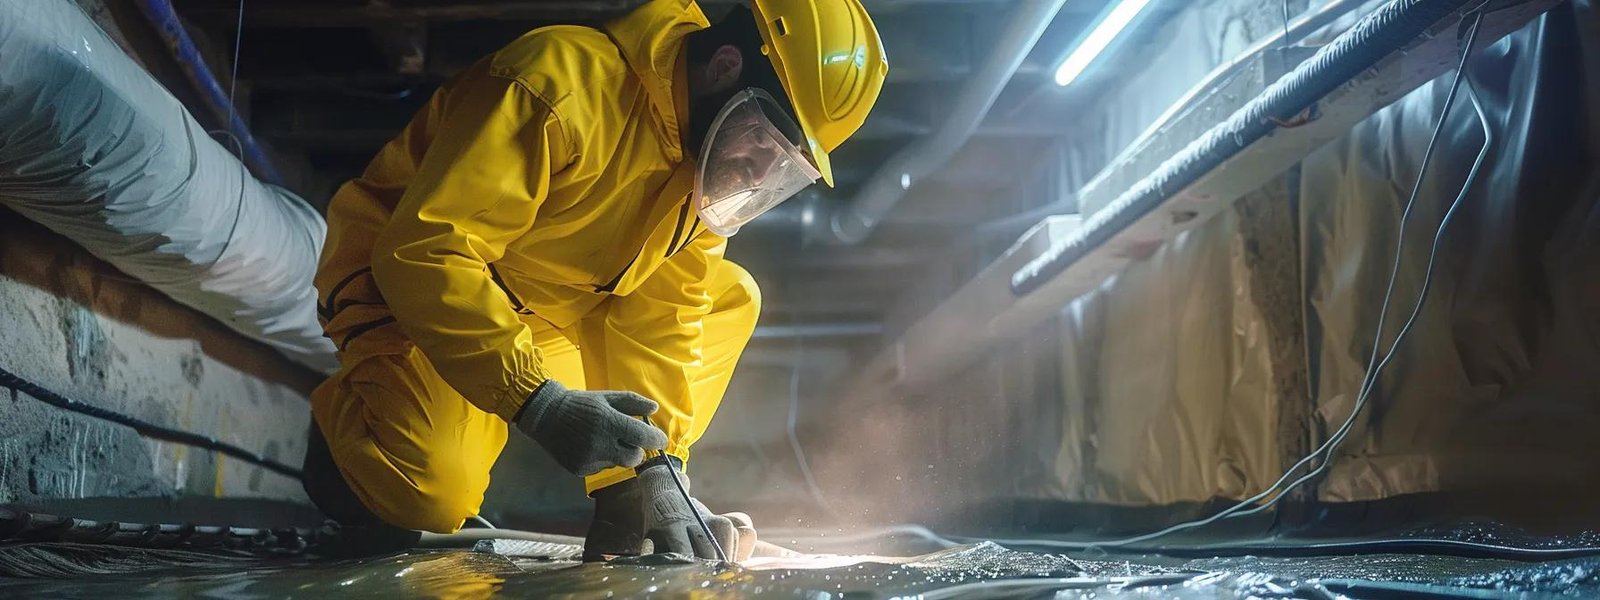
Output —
(547, 179)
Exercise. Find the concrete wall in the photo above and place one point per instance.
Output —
(78, 327)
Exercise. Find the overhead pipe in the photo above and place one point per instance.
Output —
(851, 221)
(817, 330)
(1304, 25)
(162, 16)
(1380, 34)
(987, 312)
(96, 150)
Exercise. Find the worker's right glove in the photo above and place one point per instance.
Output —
(588, 432)
(650, 507)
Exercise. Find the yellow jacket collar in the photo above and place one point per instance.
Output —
(651, 39)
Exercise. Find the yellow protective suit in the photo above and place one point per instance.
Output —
(531, 222)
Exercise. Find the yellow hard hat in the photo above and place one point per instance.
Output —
(831, 62)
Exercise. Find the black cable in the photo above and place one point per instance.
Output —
(18, 525)
(1249, 505)
(144, 428)
(1428, 546)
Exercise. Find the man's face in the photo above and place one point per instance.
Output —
(747, 151)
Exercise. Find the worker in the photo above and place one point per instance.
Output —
(541, 250)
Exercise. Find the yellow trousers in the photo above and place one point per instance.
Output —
(418, 455)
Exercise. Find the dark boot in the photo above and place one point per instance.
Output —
(354, 531)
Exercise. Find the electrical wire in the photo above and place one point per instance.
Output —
(238, 144)
(17, 525)
(1427, 282)
(238, 39)
(144, 428)
(1375, 366)
(1285, 44)
(233, 85)
(1292, 548)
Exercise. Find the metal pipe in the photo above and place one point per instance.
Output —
(1377, 36)
(165, 20)
(815, 330)
(851, 222)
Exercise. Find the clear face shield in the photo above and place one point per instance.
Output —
(750, 162)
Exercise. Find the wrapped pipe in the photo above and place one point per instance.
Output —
(96, 150)
(1376, 37)
(852, 221)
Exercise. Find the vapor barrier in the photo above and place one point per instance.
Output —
(1496, 385)
(1207, 369)
(95, 149)
(983, 570)
(1171, 369)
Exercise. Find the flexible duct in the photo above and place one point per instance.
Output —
(1379, 35)
(851, 222)
(95, 149)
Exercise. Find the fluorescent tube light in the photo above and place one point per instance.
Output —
(1091, 47)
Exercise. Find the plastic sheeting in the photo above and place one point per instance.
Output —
(1170, 364)
(1207, 369)
(982, 570)
(1494, 388)
(95, 149)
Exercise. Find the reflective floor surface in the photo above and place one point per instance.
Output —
(521, 569)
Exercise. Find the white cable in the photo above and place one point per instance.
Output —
(1374, 365)
(1427, 281)
(238, 38)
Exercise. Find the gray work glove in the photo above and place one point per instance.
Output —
(587, 432)
(650, 508)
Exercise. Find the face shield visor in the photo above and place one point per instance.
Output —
(750, 162)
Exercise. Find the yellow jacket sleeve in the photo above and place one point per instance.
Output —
(478, 187)
(654, 338)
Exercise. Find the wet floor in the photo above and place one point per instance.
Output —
(515, 569)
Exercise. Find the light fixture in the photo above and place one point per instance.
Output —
(1097, 40)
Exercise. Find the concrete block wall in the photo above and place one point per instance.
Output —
(78, 327)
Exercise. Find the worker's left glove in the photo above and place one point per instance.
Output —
(649, 507)
(588, 432)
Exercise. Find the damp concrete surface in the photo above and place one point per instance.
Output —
(502, 568)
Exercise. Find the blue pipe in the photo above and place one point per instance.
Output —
(165, 20)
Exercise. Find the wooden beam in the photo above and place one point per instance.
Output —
(308, 14)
